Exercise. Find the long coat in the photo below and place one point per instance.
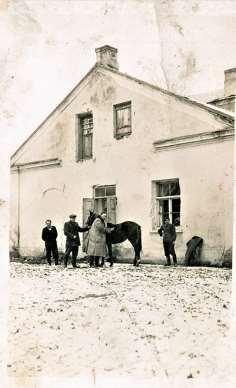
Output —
(97, 239)
(49, 236)
(71, 231)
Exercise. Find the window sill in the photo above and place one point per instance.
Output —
(121, 136)
(85, 160)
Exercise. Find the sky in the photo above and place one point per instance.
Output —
(48, 46)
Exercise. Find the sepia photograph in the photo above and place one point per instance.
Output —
(117, 193)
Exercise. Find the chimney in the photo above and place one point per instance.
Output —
(230, 82)
(107, 56)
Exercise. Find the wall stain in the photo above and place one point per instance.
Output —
(50, 189)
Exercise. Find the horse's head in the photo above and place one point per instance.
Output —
(91, 217)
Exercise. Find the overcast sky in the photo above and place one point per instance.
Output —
(47, 46)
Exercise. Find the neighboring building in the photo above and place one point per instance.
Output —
(134, 149)
(228, 101)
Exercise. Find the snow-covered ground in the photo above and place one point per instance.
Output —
(141, 325)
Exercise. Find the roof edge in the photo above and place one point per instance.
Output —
(215, 110)
(232, 96)
(212, 109)
(53, 111)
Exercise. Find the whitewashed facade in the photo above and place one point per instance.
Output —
(119, 143)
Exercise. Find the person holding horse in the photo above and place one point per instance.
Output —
(71, 231)
(96, 247)
(118, 233)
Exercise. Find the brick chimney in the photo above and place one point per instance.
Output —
(230, 82)
(107, 56)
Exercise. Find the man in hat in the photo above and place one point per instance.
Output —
(71, 231)
(49, 236)
(167, 231)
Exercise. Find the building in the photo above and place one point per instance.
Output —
(134, 149)
(228, 101)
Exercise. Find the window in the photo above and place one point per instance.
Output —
(167, 202)
(122, 119)
(85, 136)
(105, 201)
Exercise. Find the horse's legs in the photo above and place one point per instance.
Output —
(137, 260)
(91, 261)
(136, 243)
(109, 246)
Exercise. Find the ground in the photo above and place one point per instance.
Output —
(151, 323)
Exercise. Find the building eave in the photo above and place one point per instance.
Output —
(232, 97)
(195, 139)
(55, 162)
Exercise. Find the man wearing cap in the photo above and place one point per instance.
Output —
(71, 231)
(167, 231)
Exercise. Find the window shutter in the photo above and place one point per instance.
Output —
(111, 209)
(88, 204)
(80, 140)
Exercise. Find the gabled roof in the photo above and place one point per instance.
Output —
(222, 113)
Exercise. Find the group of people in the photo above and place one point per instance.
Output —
(96, 241)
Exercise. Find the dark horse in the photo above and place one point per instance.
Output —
(127, 230)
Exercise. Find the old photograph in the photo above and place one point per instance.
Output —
(117, 200)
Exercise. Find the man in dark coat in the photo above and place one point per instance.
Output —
(49, 235)
(71, 231)
(167, 230)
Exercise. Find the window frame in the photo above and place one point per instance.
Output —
(116, 108)
(105, 187)
(157, 222)
(108, 199)
(80, 154)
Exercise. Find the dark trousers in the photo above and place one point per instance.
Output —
(74, 250)
(51, 251)
(169, 249)
(94, 261)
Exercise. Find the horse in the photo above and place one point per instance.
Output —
(126, 230)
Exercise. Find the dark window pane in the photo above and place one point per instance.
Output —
(100, 192)
(176, 211)
(176, 205)
(110, 190)
(174, 188)
(85, 137)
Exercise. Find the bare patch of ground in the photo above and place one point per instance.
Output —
(150, 322)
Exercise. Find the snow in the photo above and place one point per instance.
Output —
(124, 324)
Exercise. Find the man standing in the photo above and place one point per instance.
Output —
(49, 235)
(71, 231)
(169, 236)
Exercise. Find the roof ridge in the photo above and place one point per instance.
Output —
(168, 92)
(211, 108)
